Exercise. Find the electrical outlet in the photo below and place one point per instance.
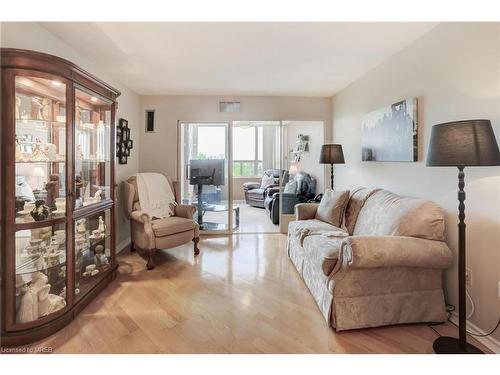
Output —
(468, 277)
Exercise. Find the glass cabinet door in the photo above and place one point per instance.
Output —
(92, 250)
(92, 149)
(40, 257)
(40, 150)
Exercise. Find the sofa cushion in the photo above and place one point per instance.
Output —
(388, 214)
(266, 181)
(332, 207)
(322, 252)
(357, 199)
(290, 187)
(171, 225)
(314, 225)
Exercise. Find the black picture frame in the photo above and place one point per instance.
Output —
(123, 142)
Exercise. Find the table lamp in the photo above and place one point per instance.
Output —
(461, 144)
(331, 154)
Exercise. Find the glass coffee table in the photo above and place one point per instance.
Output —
(209, 224)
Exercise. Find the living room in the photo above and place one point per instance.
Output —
(251, 188)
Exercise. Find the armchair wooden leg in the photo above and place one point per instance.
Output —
(132, 248)
(195, 241)
(150, 265)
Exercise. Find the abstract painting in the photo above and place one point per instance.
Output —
(390, 133)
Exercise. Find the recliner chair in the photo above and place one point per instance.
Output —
(152, 234)
(306, 190)
(255, 195)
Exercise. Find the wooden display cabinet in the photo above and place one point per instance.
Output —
(57, 193)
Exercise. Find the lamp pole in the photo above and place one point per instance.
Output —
(331, 176)
(462, 314)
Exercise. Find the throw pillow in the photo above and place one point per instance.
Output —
(332, 207)
(266, 181)
(290, 187)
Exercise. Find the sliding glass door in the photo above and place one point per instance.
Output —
(235, 173)
(204, 174)
(257, 152)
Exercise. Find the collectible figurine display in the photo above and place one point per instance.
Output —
(37, 301)
(52, 188)
(41, 211)
(100, 258)
(58, 254)
(44, 251)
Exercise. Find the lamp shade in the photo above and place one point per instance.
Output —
(462, 144)
(331, 154)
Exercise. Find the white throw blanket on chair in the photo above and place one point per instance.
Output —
(155, 195)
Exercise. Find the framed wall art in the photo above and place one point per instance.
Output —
(123, 142)
(390, 133)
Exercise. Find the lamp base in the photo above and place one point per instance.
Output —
(451, 345)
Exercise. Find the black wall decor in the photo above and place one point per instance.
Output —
(150, 121)
(123, 142)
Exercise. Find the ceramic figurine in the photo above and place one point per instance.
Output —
(41, 211)
(98, 195)
(18, 104)
(38, 153)
(81, 226)
(37, 301)
(102, 227)
(52, 188)
(19, 152)
(28, 308)
(45, 110)
(40, 263)
(30, 302)
(24, 116)
(51, 151)
(100, 258)
(78, 186)
(36, 108)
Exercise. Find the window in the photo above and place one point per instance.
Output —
(247, 151)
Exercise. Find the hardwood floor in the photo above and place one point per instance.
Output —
(240, 295)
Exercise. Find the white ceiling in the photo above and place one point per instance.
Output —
(291, 59)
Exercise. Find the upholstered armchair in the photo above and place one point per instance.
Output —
(152, 234)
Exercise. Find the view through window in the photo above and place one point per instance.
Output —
(247, 151)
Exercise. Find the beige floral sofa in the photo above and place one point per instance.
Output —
(384, 266)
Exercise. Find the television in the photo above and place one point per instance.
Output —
(207, 172)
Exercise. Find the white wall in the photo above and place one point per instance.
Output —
(309, 161)
(159, 149)
(454, 72)
(33, 36)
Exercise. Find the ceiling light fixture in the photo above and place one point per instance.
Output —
(93, 99)
(56, 83)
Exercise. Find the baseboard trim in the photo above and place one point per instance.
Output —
(124, 245)
(488, 341)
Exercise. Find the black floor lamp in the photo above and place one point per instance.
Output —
(331, 154)
(461, 144)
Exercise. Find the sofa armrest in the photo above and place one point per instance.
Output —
(270, 191)
(305, 211)
(184, 210)
(395, 251)
(251, 185)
